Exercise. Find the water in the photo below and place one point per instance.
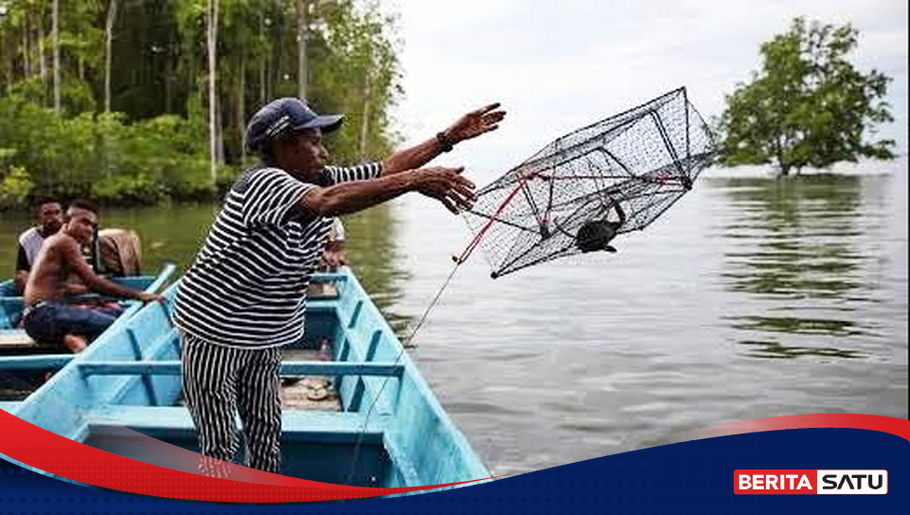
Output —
(752, 297)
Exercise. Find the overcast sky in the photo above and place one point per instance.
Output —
(560, 65)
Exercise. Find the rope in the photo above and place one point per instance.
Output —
(471, 246)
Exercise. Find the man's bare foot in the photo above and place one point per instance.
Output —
(74, 343)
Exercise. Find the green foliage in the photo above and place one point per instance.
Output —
(155, 145)
(15, 188)
(808, 106)
(359, 76)
(104, 156)
(129, 189)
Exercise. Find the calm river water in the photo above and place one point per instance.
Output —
(752, 297)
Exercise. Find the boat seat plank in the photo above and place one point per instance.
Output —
(35, 362)
(16, 340)
(288, 368)
(296, 425)
(321, 305)
(329, 277)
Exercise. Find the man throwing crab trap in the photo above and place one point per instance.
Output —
(245, 295)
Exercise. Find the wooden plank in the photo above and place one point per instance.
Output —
(171, 422)
(322, 291)
(288, 369)
(38, 362)
(333, 277)
(14, 340)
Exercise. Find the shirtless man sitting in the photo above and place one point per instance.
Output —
(47, 317)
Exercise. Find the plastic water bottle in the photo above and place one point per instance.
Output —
(325, 350)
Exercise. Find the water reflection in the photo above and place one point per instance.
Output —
(794, 325)
(372, 250)
(774, 350)
(798, 252)
(175, 234)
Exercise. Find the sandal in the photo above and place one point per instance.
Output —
(317, 393)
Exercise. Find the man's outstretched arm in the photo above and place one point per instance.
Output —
(471, 125)
(73, 257)
(444, 184)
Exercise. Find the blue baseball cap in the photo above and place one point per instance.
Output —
(283, 116)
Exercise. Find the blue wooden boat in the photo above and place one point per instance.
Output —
(23, 362)
(387, 430)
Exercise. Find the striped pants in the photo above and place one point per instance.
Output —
(219, 382)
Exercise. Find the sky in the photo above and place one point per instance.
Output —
(560, 65)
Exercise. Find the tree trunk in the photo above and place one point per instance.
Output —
(7, 61)
(263, 59)
(365, 122)
(212, 47)
(262, 76)
(302, 65)
(42, 63)
(241, 106)
(6, 65)
(779, 154)
(108, 51)
(26, 62)
(55, 22)
(169, 80)
(219, 132)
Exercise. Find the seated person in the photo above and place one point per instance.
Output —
(47, 317)
(50, 220)
(333, 256)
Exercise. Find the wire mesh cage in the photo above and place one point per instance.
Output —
(582, 190)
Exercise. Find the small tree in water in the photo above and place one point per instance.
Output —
(808, 106)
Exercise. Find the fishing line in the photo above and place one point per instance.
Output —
(406, 344)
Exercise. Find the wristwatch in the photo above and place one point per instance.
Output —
(445, 144)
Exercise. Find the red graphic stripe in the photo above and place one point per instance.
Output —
(895, 426)
(43, 450)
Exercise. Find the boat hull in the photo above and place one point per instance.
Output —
(389, 431)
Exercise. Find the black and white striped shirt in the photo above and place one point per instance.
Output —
(247, 287)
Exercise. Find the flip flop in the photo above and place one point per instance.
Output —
(317, 393)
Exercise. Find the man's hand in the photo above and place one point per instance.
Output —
(475, 123)
(469, 126)
(447, 186)
(151, 297)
